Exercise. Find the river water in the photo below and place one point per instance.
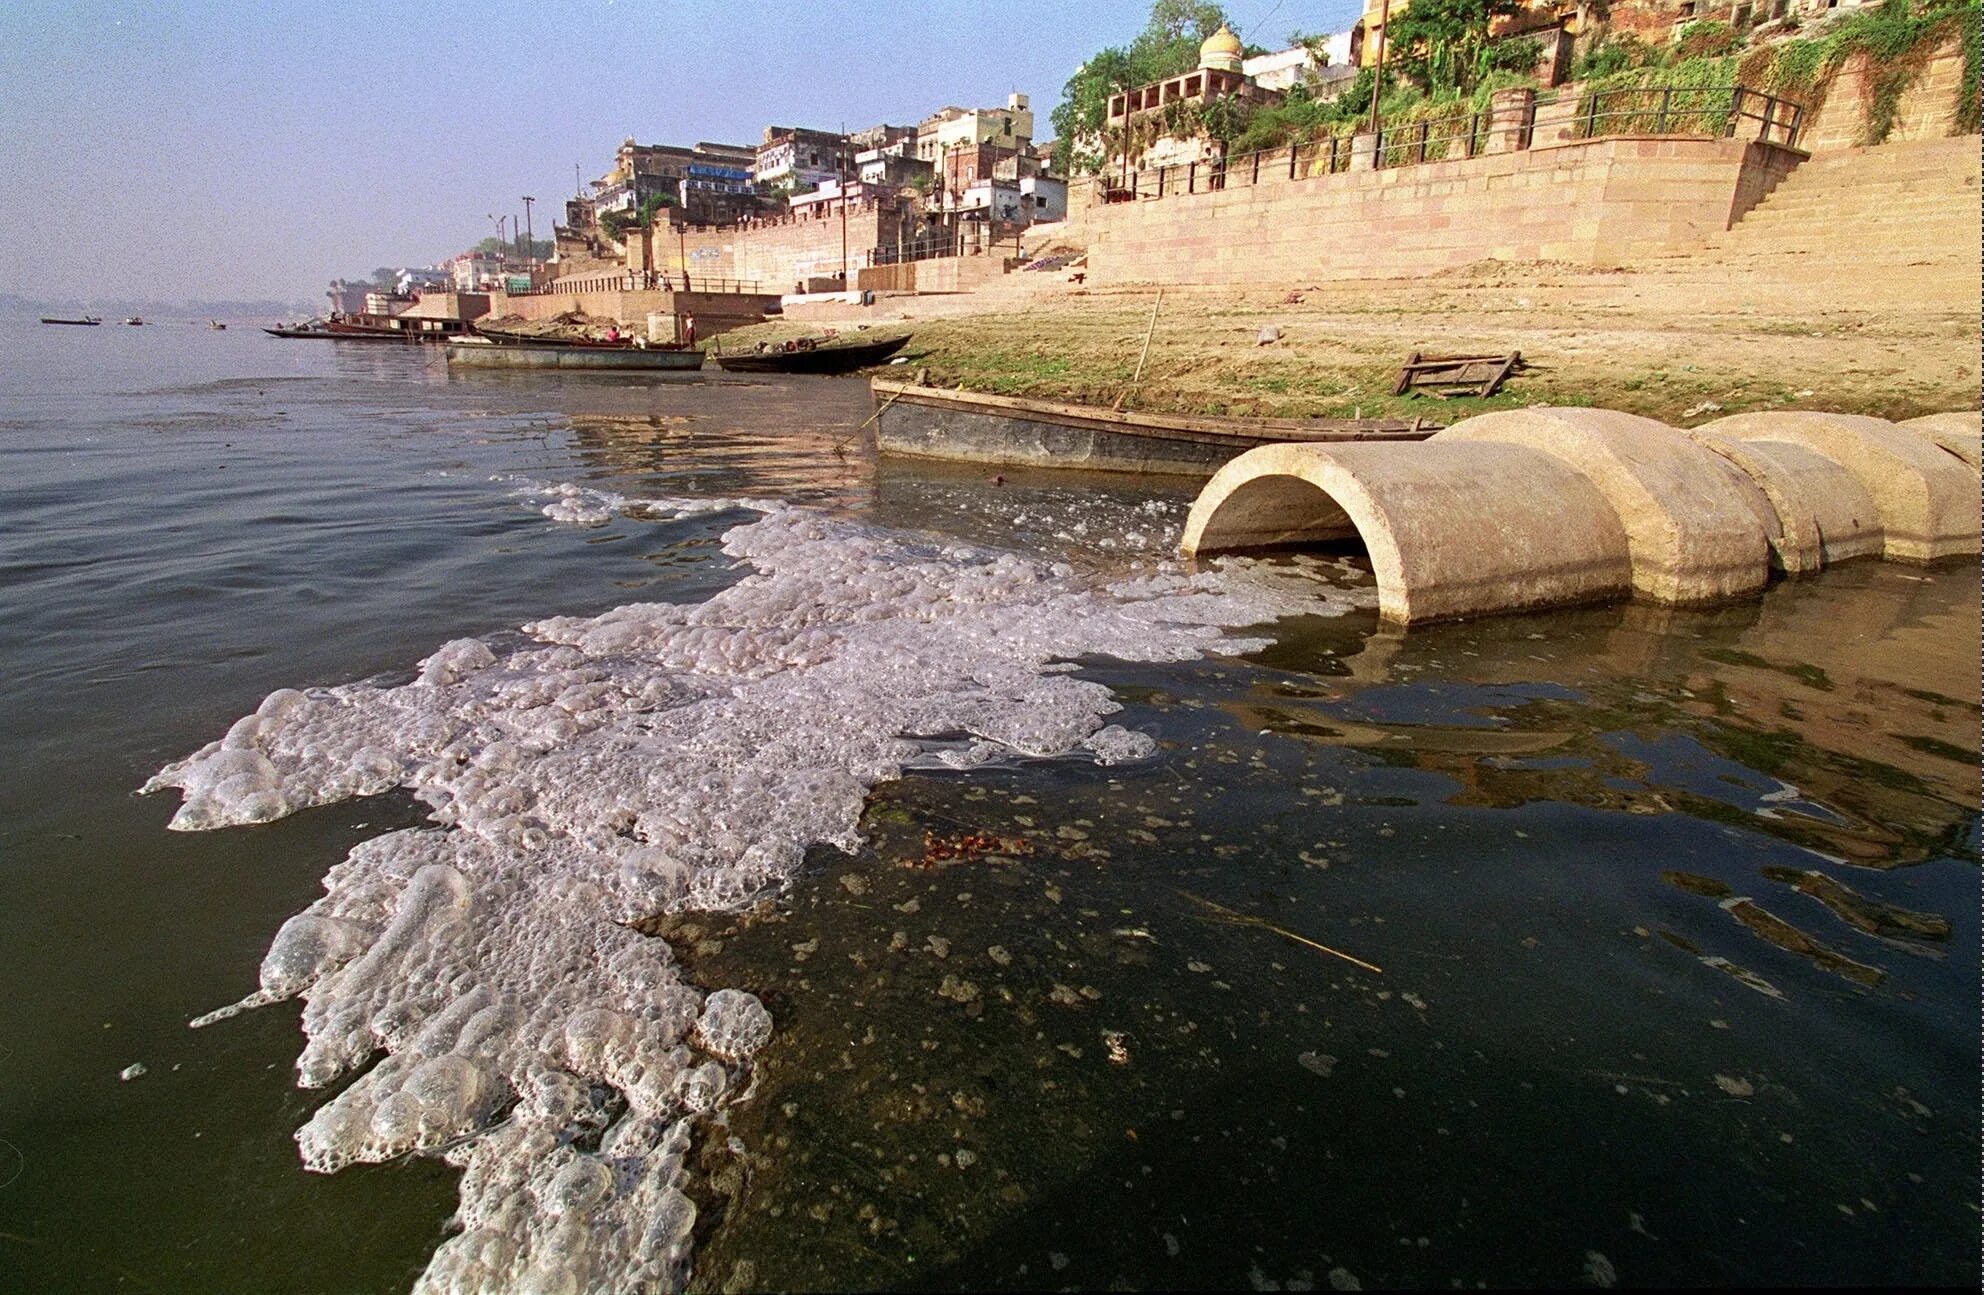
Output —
(1603, 945)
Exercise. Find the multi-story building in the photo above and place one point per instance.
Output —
(710, 183)
(795, 159)
(1220, 75)
(1008, 127)
(882, 166)
(885, 138)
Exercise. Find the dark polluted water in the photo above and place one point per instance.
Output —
(1600, 946)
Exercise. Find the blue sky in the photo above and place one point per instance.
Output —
(235, 149)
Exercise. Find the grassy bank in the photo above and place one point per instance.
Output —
(1621, 341)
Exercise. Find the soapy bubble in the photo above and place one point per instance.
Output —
(481, 972)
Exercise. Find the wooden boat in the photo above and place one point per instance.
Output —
(134, 321)
(320, 330)
(502, 338)
(87, 321)
(972, 427)
(216, 326)
(806, 356)
(485, 353)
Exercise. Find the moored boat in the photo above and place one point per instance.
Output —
(87, 321)
(974, 427)
(486, 353)
(809, 356)
(317, 328)
(134, 321)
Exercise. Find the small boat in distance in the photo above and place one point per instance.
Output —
(975, 427)
(134, 321)
(87, 321)
(807, 355)
(216, 326)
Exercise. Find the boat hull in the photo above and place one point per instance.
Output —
(484, 355)
(929, 423)
(328, 335)
(820, 360)
(79, 323)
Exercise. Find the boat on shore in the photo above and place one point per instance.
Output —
(808, 356)
(614, 357)
(975, 427)
(87, 321)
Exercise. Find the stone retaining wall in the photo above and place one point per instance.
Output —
(1927, 109)
(1602, 202)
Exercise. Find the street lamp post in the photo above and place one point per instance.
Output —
(530, 234)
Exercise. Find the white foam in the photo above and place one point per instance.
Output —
(656, 757)
(575, 505)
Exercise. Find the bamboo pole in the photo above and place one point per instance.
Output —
(1145, 355)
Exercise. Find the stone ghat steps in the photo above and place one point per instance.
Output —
(1547, 507)
(1904, 216)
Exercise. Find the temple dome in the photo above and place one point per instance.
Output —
(1222, 50)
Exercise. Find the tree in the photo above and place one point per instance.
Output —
(386, 278)
(542, 247)
(1447, 39)
(1168, 44)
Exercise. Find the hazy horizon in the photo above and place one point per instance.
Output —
(245, 151)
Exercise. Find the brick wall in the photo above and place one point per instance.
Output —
(715, 312)
(1927, 109)
(1603, 202)
(778, 256)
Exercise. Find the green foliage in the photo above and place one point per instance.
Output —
(1896, 39)
(1446, 41)
(616, 224)
(1705, 38)
(1519, 54)
(1609, 57)
(542, 247)
(1167, 46)
(1690, 96)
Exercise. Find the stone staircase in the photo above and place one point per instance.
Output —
(1896, 222)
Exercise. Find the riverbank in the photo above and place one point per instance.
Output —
(1645, 342)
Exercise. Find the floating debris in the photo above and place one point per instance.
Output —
(1696, 884)
(1860, 912)
(1245, 919)
(1775, 930)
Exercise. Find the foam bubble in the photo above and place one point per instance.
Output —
(653, 758)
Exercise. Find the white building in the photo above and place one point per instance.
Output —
(1007, 127)
(1043, 199)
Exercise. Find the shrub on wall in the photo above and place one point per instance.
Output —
(1894, 43)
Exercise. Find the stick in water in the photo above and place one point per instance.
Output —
(1247, 919)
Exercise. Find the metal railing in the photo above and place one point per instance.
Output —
(641, 281)
(1689, 110)
(1326, 156)
(1658, 110)
(1433, 139)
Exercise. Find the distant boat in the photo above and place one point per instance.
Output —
(134, 321)
(808, 356)
(87, 321)
(216, 325)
